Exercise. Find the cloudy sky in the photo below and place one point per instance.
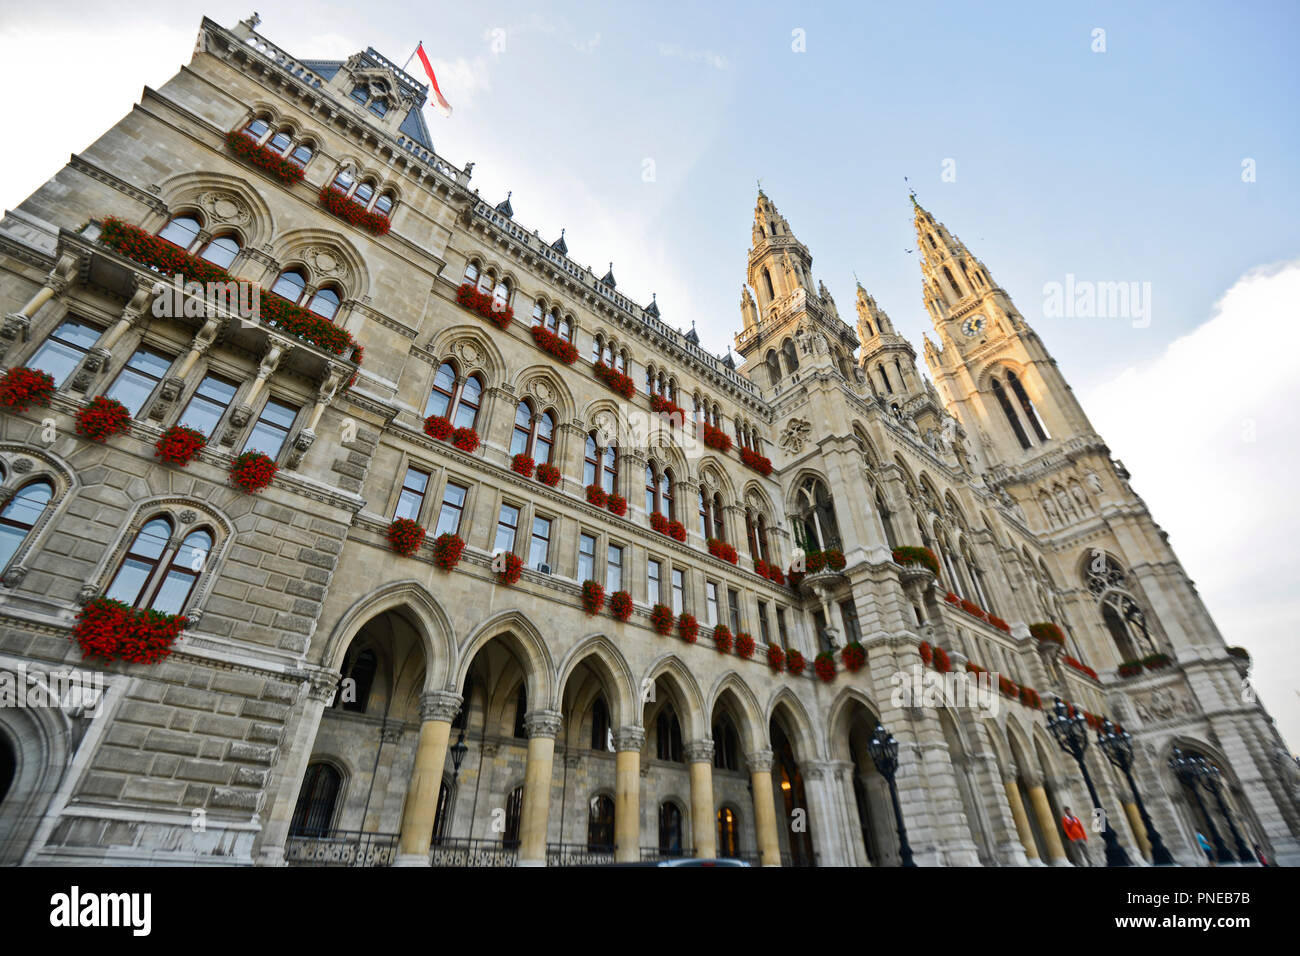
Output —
(1162, 150)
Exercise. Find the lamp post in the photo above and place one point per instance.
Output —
(1186, 768)
(1118, 748)
(1071, 734)
(883, 749)
(1213, 781)
(458, 751)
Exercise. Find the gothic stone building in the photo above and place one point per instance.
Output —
(494, 723)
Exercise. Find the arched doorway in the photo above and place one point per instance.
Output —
(791, 798)
(872, 802)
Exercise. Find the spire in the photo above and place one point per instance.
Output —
(748, 310)
(872, 320)
(652, 309)
(608, 278)
(692, 336)
(505, 208)
(560, 246)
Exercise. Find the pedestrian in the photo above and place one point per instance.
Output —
(1259, 855)
(1205, 846)
(1077, 836)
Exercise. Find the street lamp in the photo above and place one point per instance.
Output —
(1071, 734)
(883, 749)
(1186, 768)
(1213, 778)
(458, 751)
(1118, 748)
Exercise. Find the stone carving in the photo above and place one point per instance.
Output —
(1163, 703)
(1094, 483)
(14, 577)
(1080, 496)
(794, 435)
(325, 263)
(167, 395)
(467, 352)
(15, 327)
(301, 444)
(238, 419)
(188, 516)
(225, 207)
(91, 365)
(541, 390)
(22, 465)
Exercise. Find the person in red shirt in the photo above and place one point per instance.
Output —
(1077, 836)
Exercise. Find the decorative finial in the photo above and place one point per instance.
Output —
(561, 232)
(509, 193)
(254, 20)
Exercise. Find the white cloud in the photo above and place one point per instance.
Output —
(1210, 433)
(460, 80)
(715, 60)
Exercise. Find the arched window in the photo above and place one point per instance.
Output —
(728, 843)
(544, 438)
(751, 534)
(221, 251)
(314, 813)
(726, 745)
(181, 231)
(762, 538)
(514, 815)
(952, 282)
(670, 829)
(705, 519)
(140, 564)
(1031, 413)
(719, 522)
(791, 359)
(471, 272)
(599, 725)
(817, 516)
(884, 379)
(521, 711)
(523, 431)
(324, 303)
(566, 329)
(666, 484)
(257, 129)
(651, 487)
(301, 155)
(365, 192)
(458, 403)
(156, 575)
(590, 461)
(668, 736)
(20, 516)
(359, 669)
(384, 204)
(1010, 412)
(279, 143)
(290, 285)
(182, 572)
(600, 824)
(344, 181)
(767, 284)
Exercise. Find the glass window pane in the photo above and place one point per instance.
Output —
(384, 204)
(64, 349)
(586, 557)
(272, 428)
(129, 580)
(541, 543)
(324, 303)
(506, 527)
(207, 406)
(10, 539)
(175, 589)
(614, 570)
(221, 251)
(181, 231)
(290, 285)
(136, 381)
(363, 193)
(279, 142)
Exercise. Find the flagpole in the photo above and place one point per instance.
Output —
(412, 56)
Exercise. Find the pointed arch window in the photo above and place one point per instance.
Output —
(324, 303)
(817, 515)
(726, 745)
(456, 402)
(719, 523)
(670, 829)
(600, 824)
(257, 129)
(20, 516)
(791, 359)
(181, 231)
(291, 285)
(706, 519)
(1031, 413)
(767, 284)
(728, 842)
(313, 815)
(521, 710)
(599, 725)
(359, 671)
(1007, 409)
(154, 573)
(668, 736)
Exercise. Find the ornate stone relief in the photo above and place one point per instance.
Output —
(794, 435)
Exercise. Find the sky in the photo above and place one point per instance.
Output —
(1160, 151)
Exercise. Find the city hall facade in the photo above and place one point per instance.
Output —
(421, 358)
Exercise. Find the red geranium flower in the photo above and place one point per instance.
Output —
(252, 471)
(617, 504)
(824, 665)
(597, 496)
(435, 426)
(548, 475)
(405, 536)
(661, 619)
(512, 568)
(178, 445)
(620, 605)
(593, 596)
(794, 661)
(466, 439)
(775, 658)
(447, 549)
(722, 638)
(854, 656)
(103, 418)
(522, 464)
(548, 341)
(688, 628)
(21, 387)
(744, 645)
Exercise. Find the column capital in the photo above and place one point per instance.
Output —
(699, 751)
(543, 723)
(322, 685)
(629, 738)
(439, 705)
(1032, 779)
(759, 761)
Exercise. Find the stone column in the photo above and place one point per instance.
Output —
(1018, 814)
(760, 776)
(628, 742)
(1047, 823)
(704, 835)
(17, 324)
(542, 727)
(828, 835)
(1139, 831)
(437, 710)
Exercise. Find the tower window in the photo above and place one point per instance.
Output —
(1010, 412)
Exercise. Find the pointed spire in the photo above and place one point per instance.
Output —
(728, 360)
(872, 320)
(560, 246)
(505, 208)
(608, 278)
(652, 308)
(692, 336)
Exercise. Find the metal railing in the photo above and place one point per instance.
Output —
(578, 854)
(340, 848)
(446, 851)
(654, 853)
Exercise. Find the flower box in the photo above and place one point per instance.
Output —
(615, 380)
(548, 475)
(913, 555)
(973, 609)
(815, 561)
(1008, 687)
(952, 598)
(437, 427)
(1081, 667)
(21, 387)
(942, 663)
(148, 250)
(617, 504)
(485, 304)
(306, 325)
(753, 459)
(110, 630)
(1000, 624)
(716, 438)
(1029, 697)
(677, 531)
(597, 496)
(466, 439)
(1155, 662)
(722, 550)
(794, 661)
(824, 665)
(512, 567)
(1047, 631)
(620, 605)
(658, 522)
(267, 160)
(744, 645)
(765, 569)
(252, 471)
(775, 658)
(675, 414)
(853, 656)
(102, 419)
(1130, 668)
(349, 210)
(927, 655)
(722, 638)
(178, 445)
(447, 549)
(593, 596)
(522, 464)
(661, 619)
(551, 343)
(405, 536)
(688, 628)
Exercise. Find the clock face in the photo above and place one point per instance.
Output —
(973, 325)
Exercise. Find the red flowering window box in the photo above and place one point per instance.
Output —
(147, 249)
(620, 605)
(351, 211)
(824, 665)
(658, 522)
(110, 630)
(675, 413)
(1079, 666)
(617, 504)
(1008, 687)
(307, 325)
(914, 555)
(593, 596)
(466, 439)
(716, 438)
(722, 550)
(973, 609)
(252, 471)
(1029, 697)
(942, 663)
(615, 380)
(447, 549)
(853, 656)
(661, 619)
(688, 628)
(102, 419)
(1155, 662)
(794, 661)
(548, 475)
(178, 445)
(775, 658)
(597, 496)
(485, 304)
(1047, 631)
(552, 344)
(677, 531)
(1130, 668)
(760, 463)
(1000, 624)
(927, 655)
(269, 161)
(952, 598)
(405, 536)
(511, 566)
(21, 387)
(744, 645)
(437, 427)
(722, 638)
(522, 464)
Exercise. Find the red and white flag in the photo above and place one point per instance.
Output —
(443, 106)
